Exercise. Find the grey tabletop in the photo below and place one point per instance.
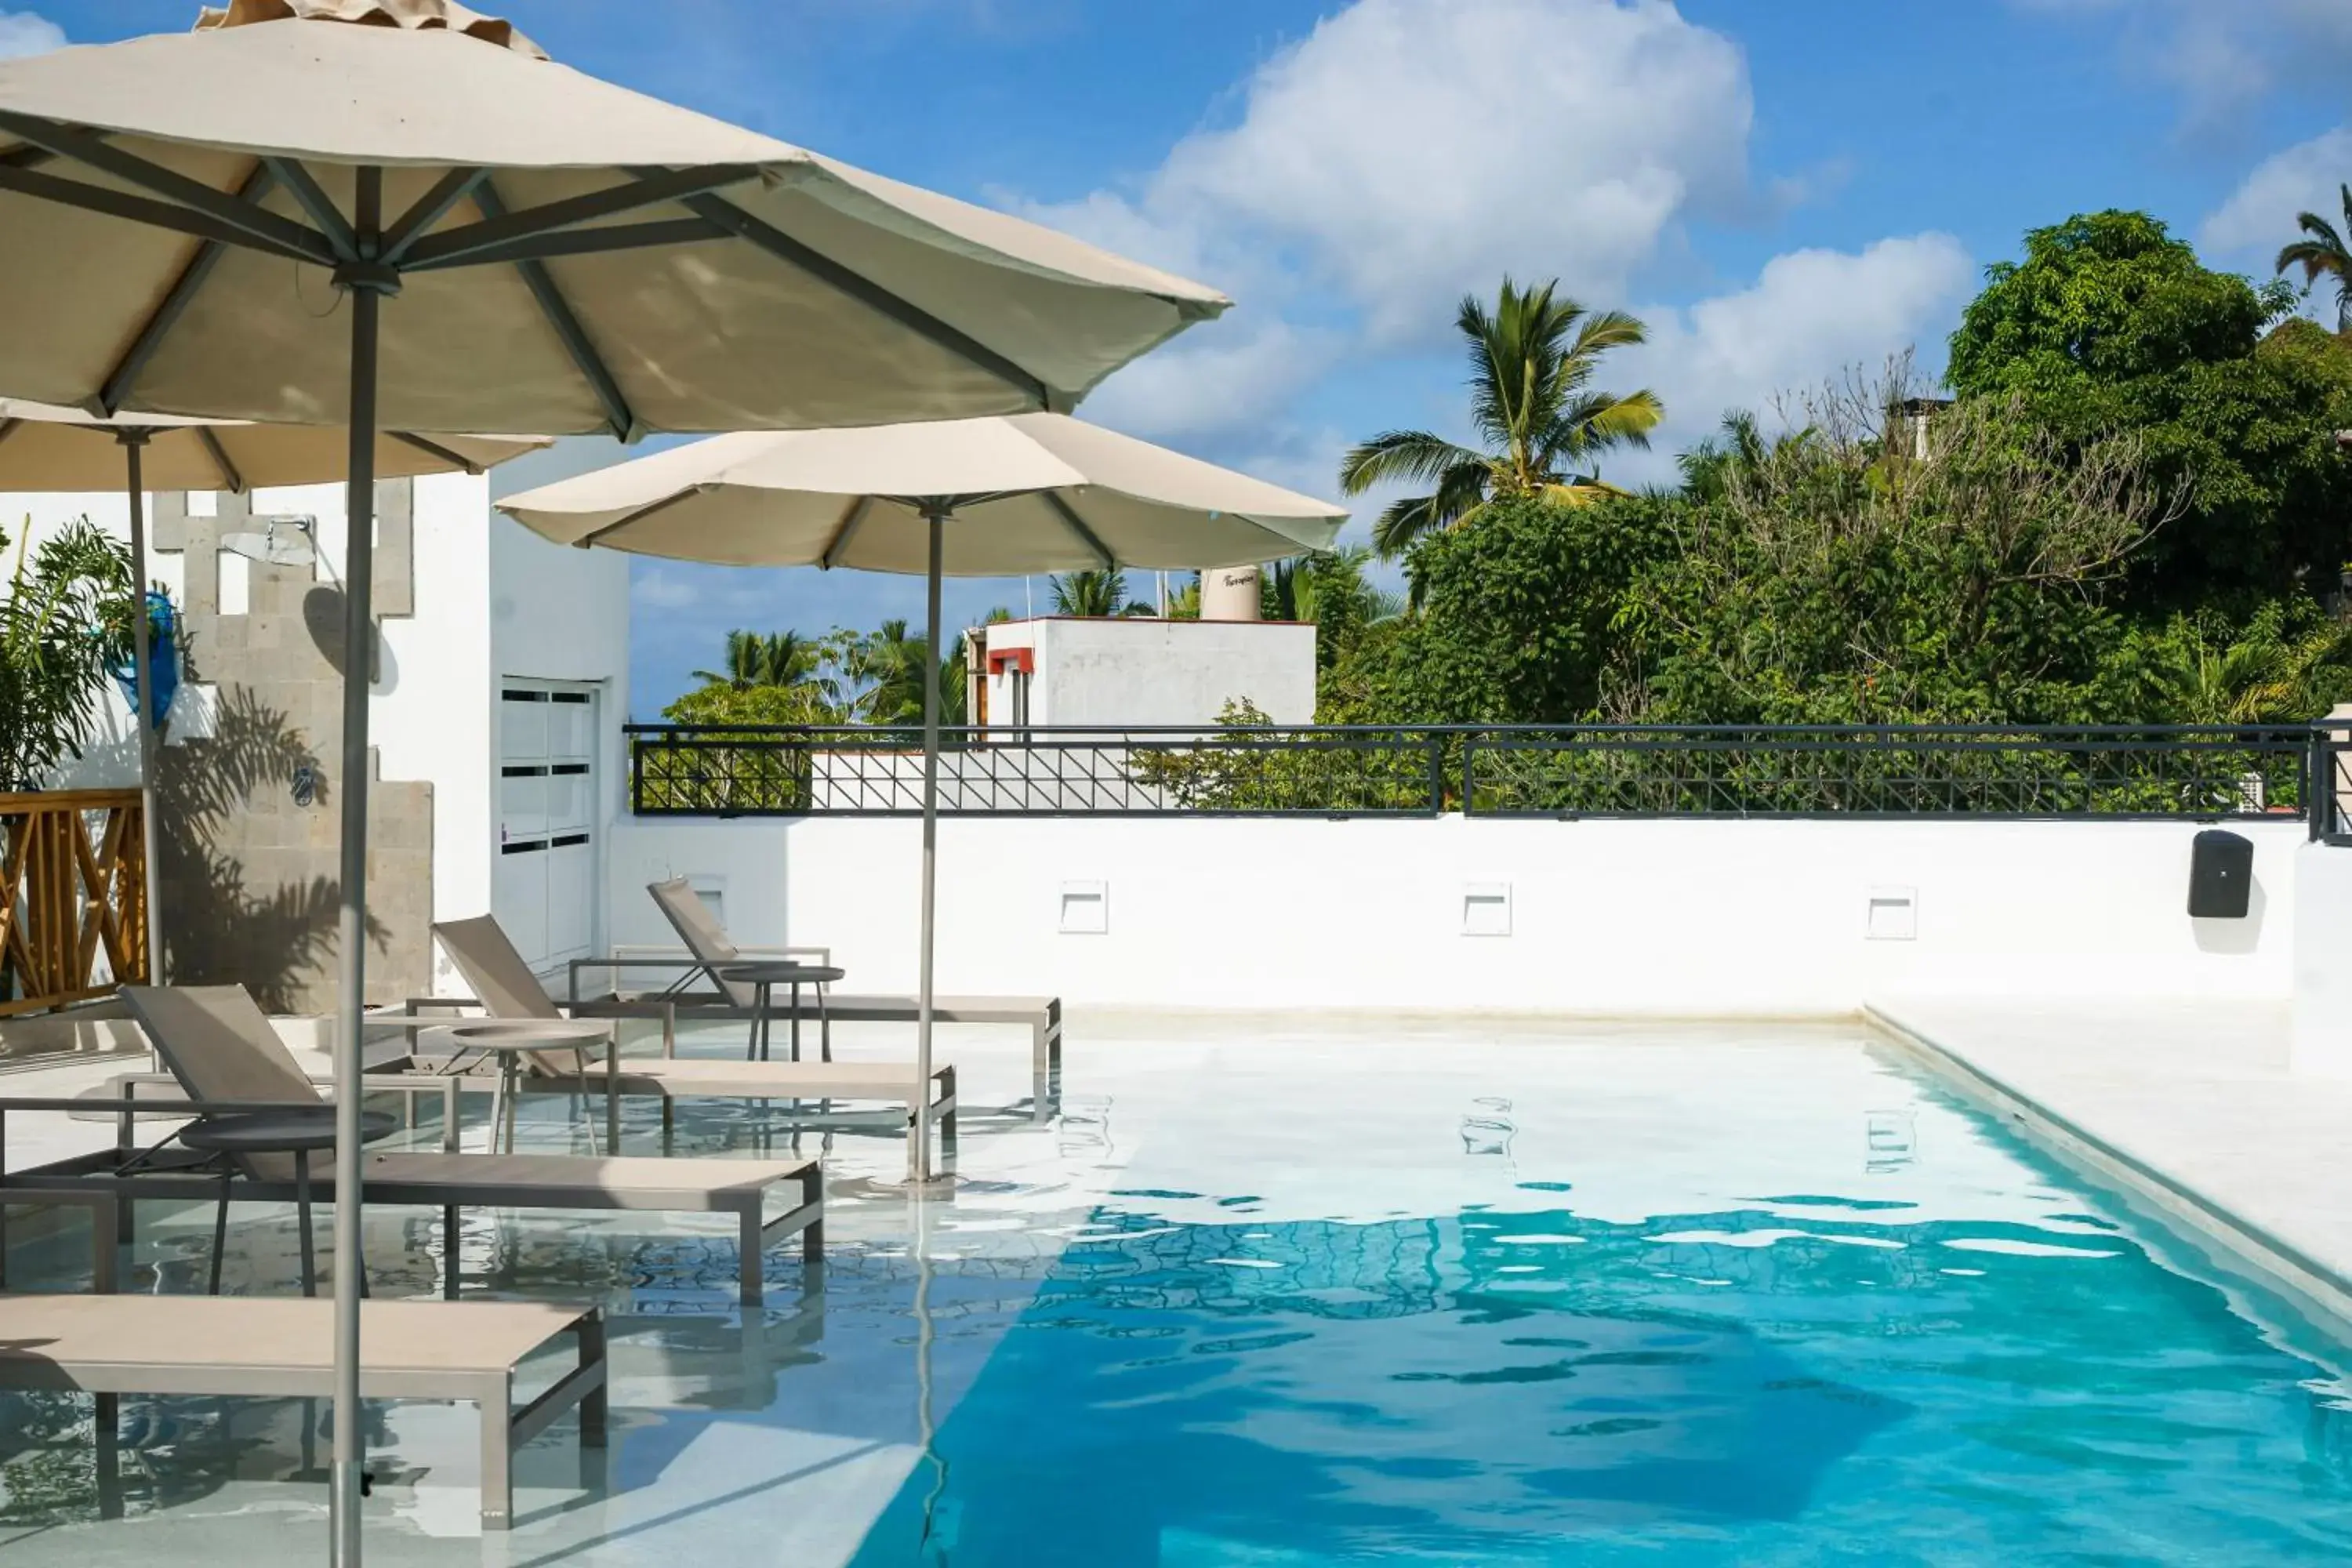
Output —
(532, 1034)
(296, 1130)
(777, 972)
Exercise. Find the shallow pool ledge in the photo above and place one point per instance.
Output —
(2189, 1108)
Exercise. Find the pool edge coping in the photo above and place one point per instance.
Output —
(2275, 1262)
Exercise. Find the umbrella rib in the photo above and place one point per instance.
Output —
(318, 203)
(454, 245)
(597, 536)
(219, 453)
(579, 242)
(853, 517)
(567, 328)
(1078, 525)
(447, 191)
(117, 384)
(872, 295)
(82, 147)
(110, 203)
(437, 451)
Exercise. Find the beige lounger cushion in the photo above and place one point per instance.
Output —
(219, 1044)
(540, 1180)
(262, 1344)
(502, 981)
(687, 1078)
(690, 918)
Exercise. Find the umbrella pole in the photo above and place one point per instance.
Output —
(364, 286)
(134, 451)
(920, 1168)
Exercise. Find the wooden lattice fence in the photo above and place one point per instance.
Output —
(73, 920)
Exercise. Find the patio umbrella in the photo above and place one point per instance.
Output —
(980, 498)
(47, 448)
(399, 214)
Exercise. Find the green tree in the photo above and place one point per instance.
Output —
(2110, 326)
(2322, 253)
(1835, 579)
(1095, 595)
(66, 616)
(1532, 403)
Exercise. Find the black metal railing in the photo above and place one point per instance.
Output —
(856, 771)
(2201, 773)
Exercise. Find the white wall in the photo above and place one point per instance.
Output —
(1648, 917)
(430, 713)
(553, 614)
(1154, 672)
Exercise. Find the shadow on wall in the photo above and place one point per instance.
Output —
(226, 920)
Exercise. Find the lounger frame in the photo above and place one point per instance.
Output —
(110, 1180)
(482, 1383)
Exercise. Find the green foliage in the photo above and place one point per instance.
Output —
(66, 613)
(2111, 326)
(1821, 580)
(1519, 617)
(1532, 361)
(722, 703)
(1095, 595)
(1248, 765)
(1332, 588)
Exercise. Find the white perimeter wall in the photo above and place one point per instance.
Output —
(1649, 916)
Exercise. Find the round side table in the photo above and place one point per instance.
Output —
(511, 1041)
(763, 978)
(298, 1131)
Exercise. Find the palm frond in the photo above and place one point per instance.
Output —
(1400, 457)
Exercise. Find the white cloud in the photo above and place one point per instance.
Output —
(1233, 375)
(2260, 215)
(2224, 55)
(1809, 316)
(1408, 150)
(28, 33)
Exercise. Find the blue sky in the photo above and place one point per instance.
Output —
(1781, 190)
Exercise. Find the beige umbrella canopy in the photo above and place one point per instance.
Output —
(992, 497)
(1031, 493)
(44, 447)
(395, 213)
(569, 257)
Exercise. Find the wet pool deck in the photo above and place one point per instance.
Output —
(2190, 1106)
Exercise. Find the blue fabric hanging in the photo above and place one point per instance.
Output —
(163, 660)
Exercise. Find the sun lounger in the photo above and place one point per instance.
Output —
(505, 988)
(219, 1045)
(710, 948)
(279, 1347)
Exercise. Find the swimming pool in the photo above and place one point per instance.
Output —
(1428, 1294)
(1946, 1353)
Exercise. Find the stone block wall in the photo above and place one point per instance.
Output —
(248, 789)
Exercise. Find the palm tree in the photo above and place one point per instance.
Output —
(784, 658)
(1095, 595)
(1532, 403)
(2322, 250)
(1330, 587)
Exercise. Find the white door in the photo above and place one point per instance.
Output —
(546, 881)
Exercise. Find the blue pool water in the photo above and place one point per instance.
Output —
(1797, 1377)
